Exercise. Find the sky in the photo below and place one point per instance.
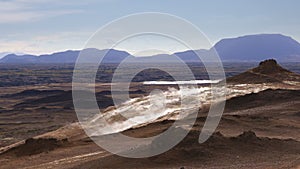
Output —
(47, 26)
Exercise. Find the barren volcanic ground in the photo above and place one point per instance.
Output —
(259, 128)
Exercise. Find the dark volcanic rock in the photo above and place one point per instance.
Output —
(228, 149)
(269, 67)
(35, 146)
(32, 92)
(268, 71)
(247, 136)
(65, 99)
(263, 98)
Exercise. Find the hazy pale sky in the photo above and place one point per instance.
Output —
(46, 26)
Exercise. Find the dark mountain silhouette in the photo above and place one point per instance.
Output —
(13, 58)
(252, 48)
(242, 49)
(2, 54)
(192, 55)
(259, 47)
(112, 56)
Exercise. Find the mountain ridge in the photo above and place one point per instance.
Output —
(253, 48)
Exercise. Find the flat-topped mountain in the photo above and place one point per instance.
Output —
(259, 47)
(251, 48)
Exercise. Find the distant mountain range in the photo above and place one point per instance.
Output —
(66, 57)
(250, 48)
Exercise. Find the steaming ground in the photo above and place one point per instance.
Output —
(262, 108)
(259, 127)
(162, 106)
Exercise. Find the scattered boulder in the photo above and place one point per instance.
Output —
(36, 146)
(247, 136)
